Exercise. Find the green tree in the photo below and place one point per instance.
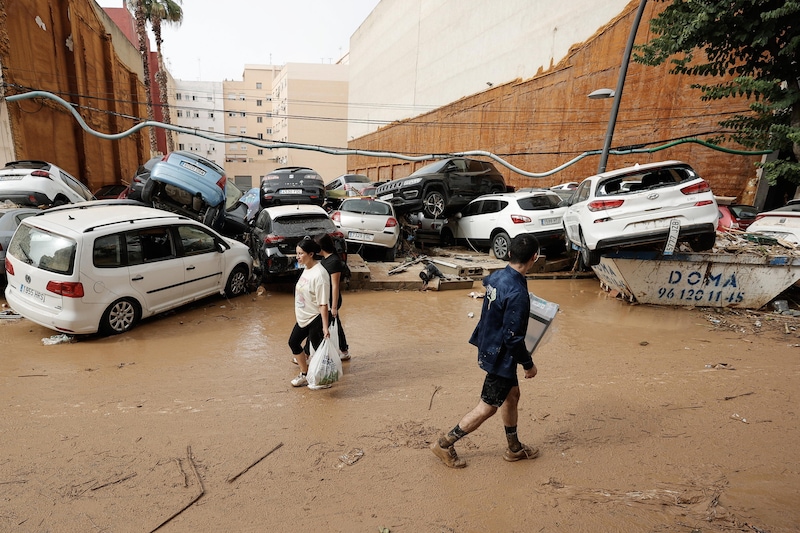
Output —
(158, 12)
(752, 44)
(141, 31)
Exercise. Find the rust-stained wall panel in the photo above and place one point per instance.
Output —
(64, 48)
(541, 123)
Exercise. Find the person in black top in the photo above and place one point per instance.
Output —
(336, 268)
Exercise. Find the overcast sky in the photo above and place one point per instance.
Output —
(216, 39)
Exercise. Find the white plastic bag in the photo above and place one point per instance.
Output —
(325, 367)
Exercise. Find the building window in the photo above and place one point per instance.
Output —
(259, 119)
(258, 103)
(241, 96)
(209, 98)
(261, 136)
(243, 147)
(243, 131)
(231, 96)
(243, 114)
(181, 147)
(197, 147)
(269, 131)
(260, 151)
(258, 85)
(180, 113)
(196, 114)
(231, 114)
(210, 114)
(194, 97)
(269, 98)
(178, 96)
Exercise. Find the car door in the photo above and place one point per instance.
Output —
(460, 180)
(467, 220)
(203, 263)
(576, 203)
(156, 272)
(480, 224)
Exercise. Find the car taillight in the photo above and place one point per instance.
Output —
(600, 205)
(336, 216)
(273, 239)
(221, 182)
(337, 235)
(391, 222)
(520, 219)
(703, 202)
(702, 186)
(41, 174)
(68, 289)
(9, 267)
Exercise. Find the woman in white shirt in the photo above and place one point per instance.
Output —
(311, 297)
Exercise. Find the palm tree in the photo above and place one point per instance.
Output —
(158, 11)
(141, 30)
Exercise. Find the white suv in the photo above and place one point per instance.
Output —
(493, 220)
(93, 267)
(637, 206)
(38, 183)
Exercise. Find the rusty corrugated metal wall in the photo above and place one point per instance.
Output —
(541, 123)
(63, 47)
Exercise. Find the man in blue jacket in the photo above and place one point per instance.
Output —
(500, 338)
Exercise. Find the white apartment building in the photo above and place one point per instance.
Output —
(310, 107)
(198, 105)
(249, 110)
(412, 56)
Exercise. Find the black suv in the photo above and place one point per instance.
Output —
(443, 187)
(292, 185)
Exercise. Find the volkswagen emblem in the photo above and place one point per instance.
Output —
(652, 196)
(27, 278)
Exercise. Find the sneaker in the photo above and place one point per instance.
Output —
(525, 453)
(448, 456)
(299, 381)
(344, 356)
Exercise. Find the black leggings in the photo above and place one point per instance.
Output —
(342, 338)
(312, 332)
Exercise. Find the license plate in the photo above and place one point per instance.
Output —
(358, 236)
(291, 191)
(193, 168)
(551, 221)
(32, 293)
(386, 197)
(10, 178)
(652, 224)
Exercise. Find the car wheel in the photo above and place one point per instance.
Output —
(212, 216)
(433, 204)
(446, 238)
(704, 242)
(589, 257)
(500, 245)
(149, 191)
(60, 200)
(121, 316)
(237, 282)
(390, 254)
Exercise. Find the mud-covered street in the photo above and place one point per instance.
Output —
(649, 419)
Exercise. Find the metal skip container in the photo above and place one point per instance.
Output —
(744, 280)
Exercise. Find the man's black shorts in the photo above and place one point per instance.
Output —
(496, 389)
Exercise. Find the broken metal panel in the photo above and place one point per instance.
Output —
(701, 279)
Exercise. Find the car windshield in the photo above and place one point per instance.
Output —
(301, 225)
(44, 250)
(645, 180)
(430, 168)
(356, 178)
(367, 207)
(232, 195)
(542, 201)
(743, 211)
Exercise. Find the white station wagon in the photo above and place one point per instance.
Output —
(91, 267)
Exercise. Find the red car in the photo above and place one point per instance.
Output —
(735, 216)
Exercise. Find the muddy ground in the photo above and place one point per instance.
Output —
(649, 419)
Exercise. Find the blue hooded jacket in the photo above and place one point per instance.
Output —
(500, 333)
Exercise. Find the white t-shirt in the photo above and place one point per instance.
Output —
(312, 290)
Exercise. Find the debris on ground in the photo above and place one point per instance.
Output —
(58, 339)
(350, 457)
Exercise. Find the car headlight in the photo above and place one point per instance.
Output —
(411, 181)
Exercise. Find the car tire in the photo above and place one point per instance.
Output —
(237, 282)
(446, 238)
(121, 316)
(60, 200)
(703, 242)
(433, 203)
(589, 257)
(212, 216)
(390, 254)
(500, 246)
(149, 191)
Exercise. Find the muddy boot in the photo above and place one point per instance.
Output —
(525, 453)
(448, 455)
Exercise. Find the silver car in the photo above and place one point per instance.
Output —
(369, 222)
(10, 217)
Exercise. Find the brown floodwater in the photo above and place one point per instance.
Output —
(648, 419)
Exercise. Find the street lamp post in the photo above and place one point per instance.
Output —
(617, 94)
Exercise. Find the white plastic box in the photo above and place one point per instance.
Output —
(542, 315)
